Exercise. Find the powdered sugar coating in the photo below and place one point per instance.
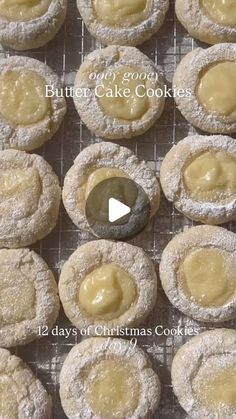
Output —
(187, 76)
(217, 345)
(92, 351)
(110, 60)
(171, 177)
(46, 304)
(201, 26)
(132, 36)
(29, 137)
(105, 154)
(36, 32)
(32, 399)
(19, 227)
(175, 253)
(91, 256)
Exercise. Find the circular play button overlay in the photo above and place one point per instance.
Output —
(117, 208)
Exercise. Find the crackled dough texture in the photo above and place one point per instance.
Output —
(219, 389)
(107, 291)
(22, 97)
(121, 13)
(221, 11)
(129, 108)
(17, 296)
(113, 390)
(211, 176)
(8, 397)
(216, 89)
(23, 186)
(208, 276)
(23, 10)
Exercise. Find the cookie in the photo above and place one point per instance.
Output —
(28, 118)
(118, 92)
(108, 379)
(29, 198)
(28, 298)
(106, 285)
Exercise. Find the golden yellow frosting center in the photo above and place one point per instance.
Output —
(113, 389)
(101, 174)
(23, 10)
(121, 13)
(222, 12)
(108, 291)
(120, 103)
(208, 276)
(216, 89)
(22, 97)
(211, 176)
(220, 389)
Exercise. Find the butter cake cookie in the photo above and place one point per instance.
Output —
(28, 296)
(28, 116)
(103, 379)
(27, 24)
(118, 92)
(210, 75)
(204, 375)
(108, 284)
(199, 176)
(29, 198)
(123, 22)
(198, 273)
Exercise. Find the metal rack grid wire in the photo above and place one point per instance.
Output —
(64, 55)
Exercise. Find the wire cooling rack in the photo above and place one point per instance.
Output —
(64, 55)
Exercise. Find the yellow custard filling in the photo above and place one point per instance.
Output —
(23, 10)
(221, 11)
(107, 292)
(15, 182)
(113, 390)
(22, 97)
(126, 194)
(211, 176)
(17, 296)
(118, 97)
(101, 174)
(208, 276)
(8, 398)
(216, 89)
(122, 13)
(220, 389)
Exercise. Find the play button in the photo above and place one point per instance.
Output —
(117, 208)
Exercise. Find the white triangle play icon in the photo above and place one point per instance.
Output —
(117, 210)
